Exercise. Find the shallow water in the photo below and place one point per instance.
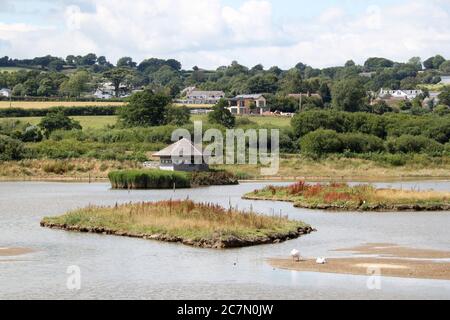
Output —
(122, 268)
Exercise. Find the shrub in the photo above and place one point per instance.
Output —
(221, 115)
(414, 144)
(178, 116)
(32, 134)
(11, 149)
(58, 167)
(58, 121)
(361, 143)
(321, 142)
(213, 178)
(146, 109)
(342, 122)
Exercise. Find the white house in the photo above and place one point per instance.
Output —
(5, 93)
(100, 94)
(248, 104)
(107, 91)
(203, 97)
(182, 156)
(400, 94)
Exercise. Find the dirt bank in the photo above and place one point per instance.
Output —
(213, 243)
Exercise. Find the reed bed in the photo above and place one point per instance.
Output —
(148, 179)
(341, 196)
(201, 224)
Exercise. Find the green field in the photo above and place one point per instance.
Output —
(88, 122)
(53, 104)
(262, 121)
(98, 122)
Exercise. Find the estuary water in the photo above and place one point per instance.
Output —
(122, 268)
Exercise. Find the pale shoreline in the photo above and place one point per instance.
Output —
(388, 259)
(14, 252)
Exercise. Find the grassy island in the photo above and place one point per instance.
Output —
(343, 197)
(193, 224)
(159, 179)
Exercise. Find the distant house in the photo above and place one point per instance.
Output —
(445, 80)
(248, 104)
(5, 93)
(203, 97)
(100, 94)
(400, 94)
(182, 156)
(367, 74)
(107, 91)
(304, 95)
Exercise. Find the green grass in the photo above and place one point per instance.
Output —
(342, 196)
(159, 179)
(88, 122)
(182, 220)
(99, 122)
(261, 121)
(433, 87)
(148, 179)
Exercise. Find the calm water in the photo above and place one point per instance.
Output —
(122, 268)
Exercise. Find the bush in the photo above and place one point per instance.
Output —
(342, 122)
(148, 179)
(32, 134)
(414, 144)
(213, 178)
(361, 143)
(145, 109)
(11, 149)
(221, 115)
(321, 142)
(178, 116)
(58, 121)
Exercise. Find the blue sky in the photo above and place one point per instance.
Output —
(210, 33)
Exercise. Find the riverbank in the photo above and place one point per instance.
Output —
(185, 222)
(343, 197)
(292, 168)
(387, 260)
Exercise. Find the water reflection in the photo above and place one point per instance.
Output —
(122, 268)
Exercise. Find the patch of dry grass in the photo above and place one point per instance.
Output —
(51, 104)
(184, 219)
(360, 197)
(297, 167)
(73, 169)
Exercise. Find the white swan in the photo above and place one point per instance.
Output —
(321, 260)
(295, 254)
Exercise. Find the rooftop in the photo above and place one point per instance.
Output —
(183, 148)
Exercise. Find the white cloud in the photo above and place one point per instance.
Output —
(208, 34)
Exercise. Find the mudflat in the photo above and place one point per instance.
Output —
(385, 259)
(12, 252)
(399, 268)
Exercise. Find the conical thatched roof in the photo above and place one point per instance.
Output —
(184, 148)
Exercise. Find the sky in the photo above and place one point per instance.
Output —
(212, 33)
